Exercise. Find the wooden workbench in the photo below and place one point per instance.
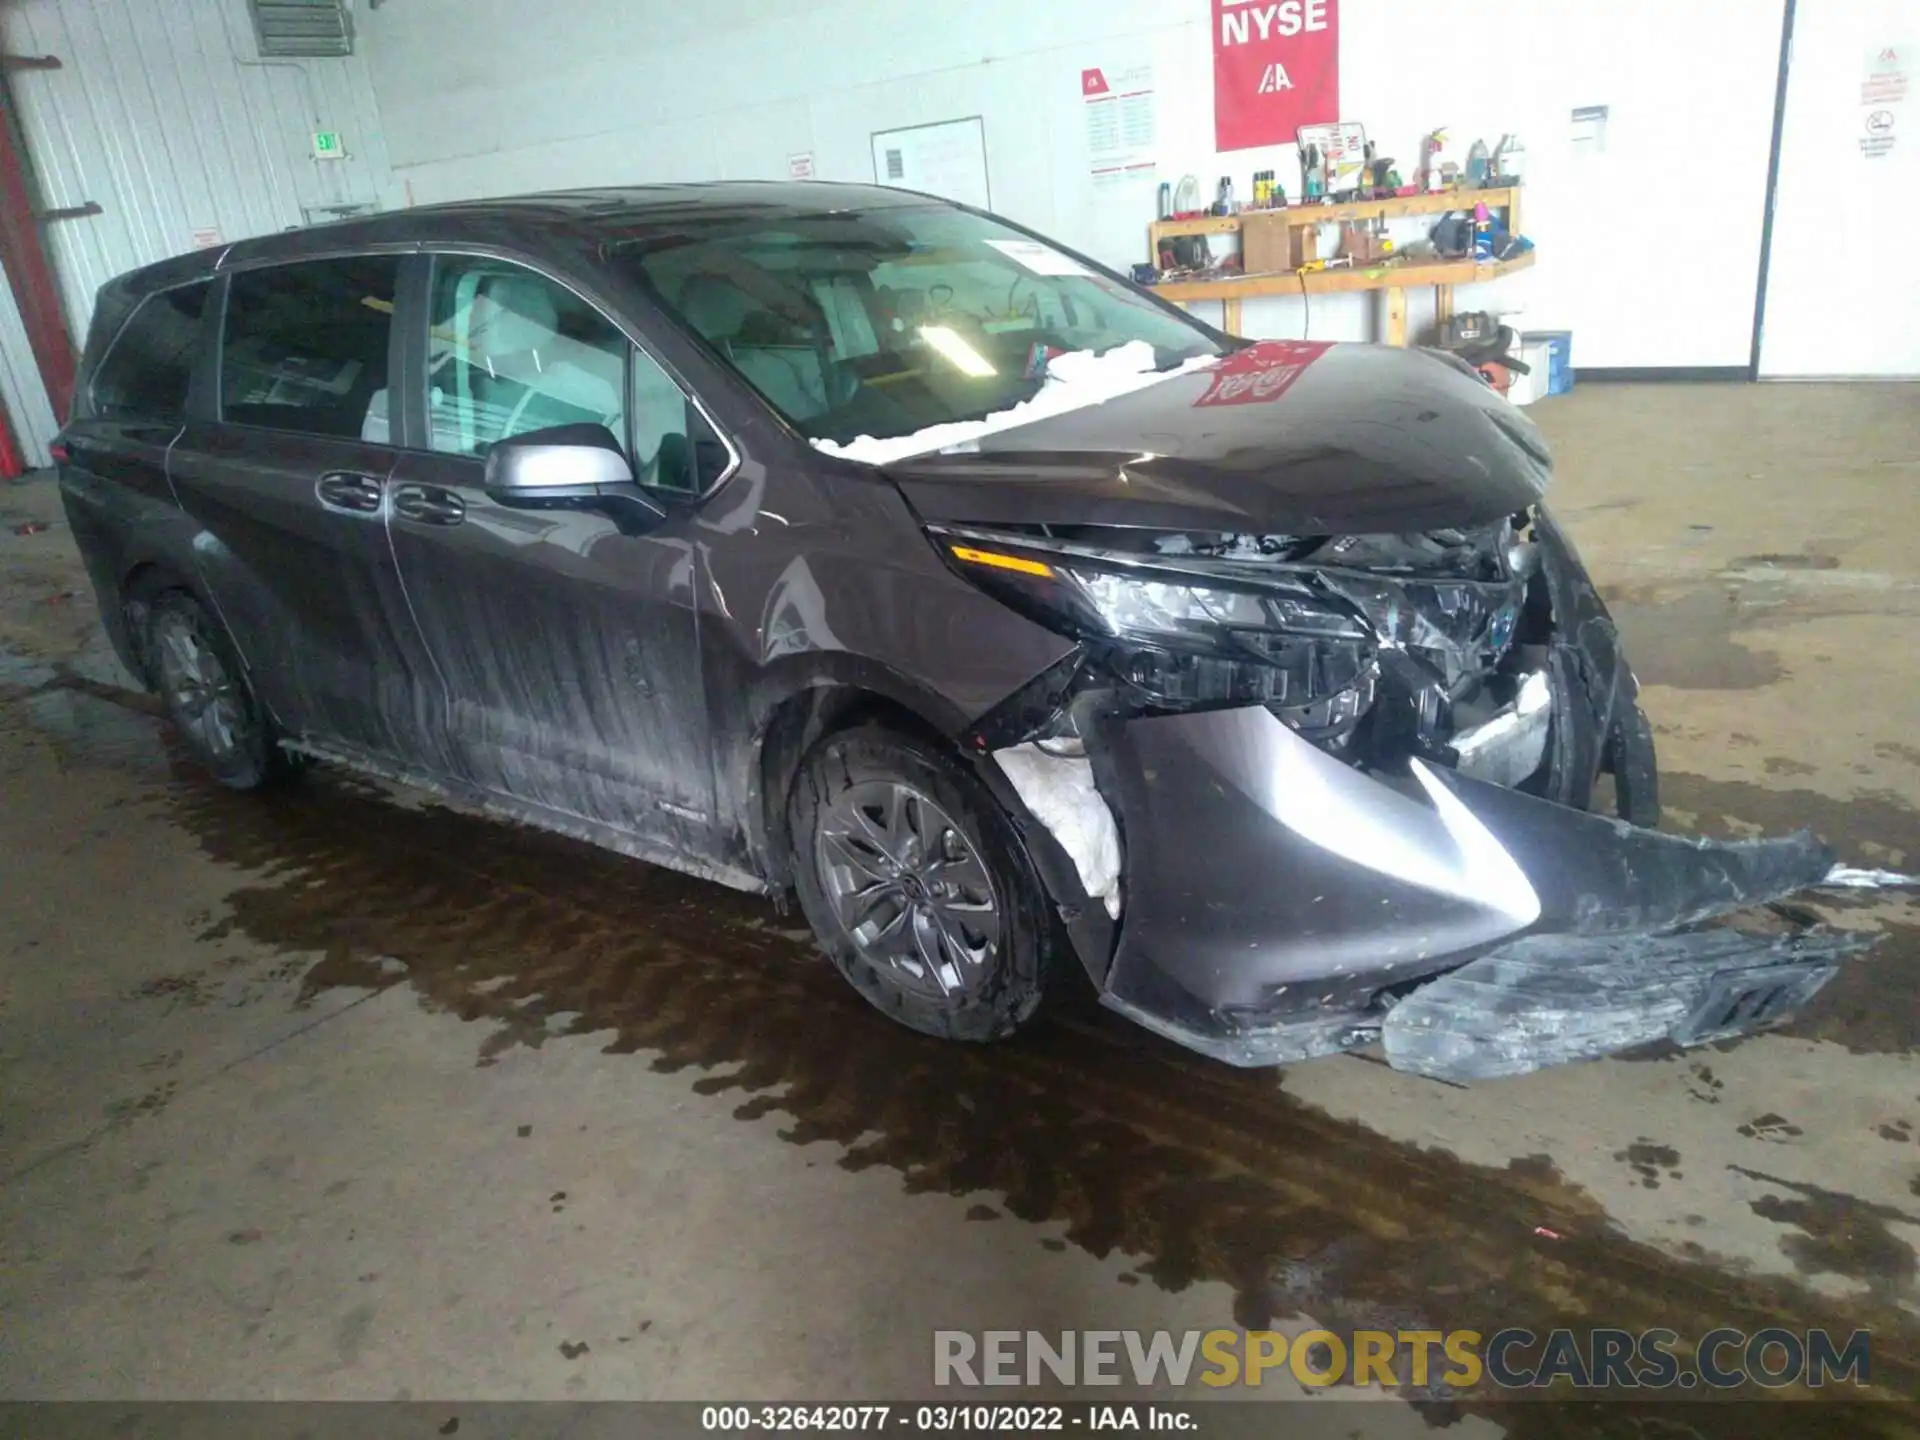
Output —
(1391, 277)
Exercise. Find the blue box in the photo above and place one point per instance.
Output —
(1559, 345)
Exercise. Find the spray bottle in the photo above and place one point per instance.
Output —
(1433, 154)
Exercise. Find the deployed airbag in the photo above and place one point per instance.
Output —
(1060, 792)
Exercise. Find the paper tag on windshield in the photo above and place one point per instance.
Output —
(1040, 259)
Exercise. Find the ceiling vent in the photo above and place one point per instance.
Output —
(302, 27)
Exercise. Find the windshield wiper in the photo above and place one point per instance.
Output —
(1175, 359)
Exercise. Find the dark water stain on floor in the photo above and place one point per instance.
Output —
(1786, 562)
(1873, 1005)
(1693, 639)
(1648, 1160)
(1194, 1171)
(1839, 1234)
(1687, 641)
(1197, 1171)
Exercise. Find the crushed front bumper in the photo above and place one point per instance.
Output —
(1281, 904)
(1277, 902)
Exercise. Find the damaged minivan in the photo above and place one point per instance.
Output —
(847, 542)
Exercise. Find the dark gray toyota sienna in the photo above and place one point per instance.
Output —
(845, 541)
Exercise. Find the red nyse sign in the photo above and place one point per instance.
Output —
(1276, 67)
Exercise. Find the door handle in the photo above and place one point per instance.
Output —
(344, 490)
(429, 505)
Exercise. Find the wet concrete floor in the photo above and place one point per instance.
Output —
(337, 1093)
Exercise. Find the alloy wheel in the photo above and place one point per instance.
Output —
(206, 700)
(909, 887)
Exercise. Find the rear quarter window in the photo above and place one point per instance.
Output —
(306, 347)
(149, 365)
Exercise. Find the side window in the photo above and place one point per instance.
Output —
(306, 347)
(511, 351)
(149, 366)
(672, 446)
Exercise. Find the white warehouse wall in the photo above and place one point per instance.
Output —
(165, 116)
(487, 97)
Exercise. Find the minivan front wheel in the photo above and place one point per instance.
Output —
(917, 886)
(205, 690)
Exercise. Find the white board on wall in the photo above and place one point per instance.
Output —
(947, 159)
(1849, 182)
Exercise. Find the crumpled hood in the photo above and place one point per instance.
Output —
(1282, 437)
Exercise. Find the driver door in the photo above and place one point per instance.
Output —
(570, 650)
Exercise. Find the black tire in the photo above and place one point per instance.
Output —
(1002, 992)
(217, 717)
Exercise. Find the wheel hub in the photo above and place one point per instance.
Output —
(205, 699)
(909, 888)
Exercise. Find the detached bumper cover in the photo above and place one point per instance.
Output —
(1550, 999)
(1277, 900)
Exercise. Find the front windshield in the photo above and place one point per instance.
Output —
(889, 321)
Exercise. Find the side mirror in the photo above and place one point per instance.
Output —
(566, 467)
(560, 460)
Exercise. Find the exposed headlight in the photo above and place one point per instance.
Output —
(1181, 640)
(1130, 604)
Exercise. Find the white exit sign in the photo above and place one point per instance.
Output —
(327, 145)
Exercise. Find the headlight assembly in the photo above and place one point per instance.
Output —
(1180, 639)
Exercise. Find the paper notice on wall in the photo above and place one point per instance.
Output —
(948, 159)
(1879, 137)
(206, 237)
(1883, 89)
(1888, 69)
(800, 167)
(1122, 123)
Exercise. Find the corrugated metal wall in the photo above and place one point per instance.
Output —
(163, 114)
(27, 407)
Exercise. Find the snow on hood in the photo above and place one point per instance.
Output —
(1074, 381)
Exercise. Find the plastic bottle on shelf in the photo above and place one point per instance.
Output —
(1477, 164)
(1433, 158)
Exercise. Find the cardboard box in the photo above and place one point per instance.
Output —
(1360, 243)
(1268, 244)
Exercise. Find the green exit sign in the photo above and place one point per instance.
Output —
(327, 146)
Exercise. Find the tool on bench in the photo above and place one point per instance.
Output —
(1313, 178)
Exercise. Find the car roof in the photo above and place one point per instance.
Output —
(608, 214)
(627, 204)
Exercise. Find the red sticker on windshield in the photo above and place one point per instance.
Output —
(1262, 373)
